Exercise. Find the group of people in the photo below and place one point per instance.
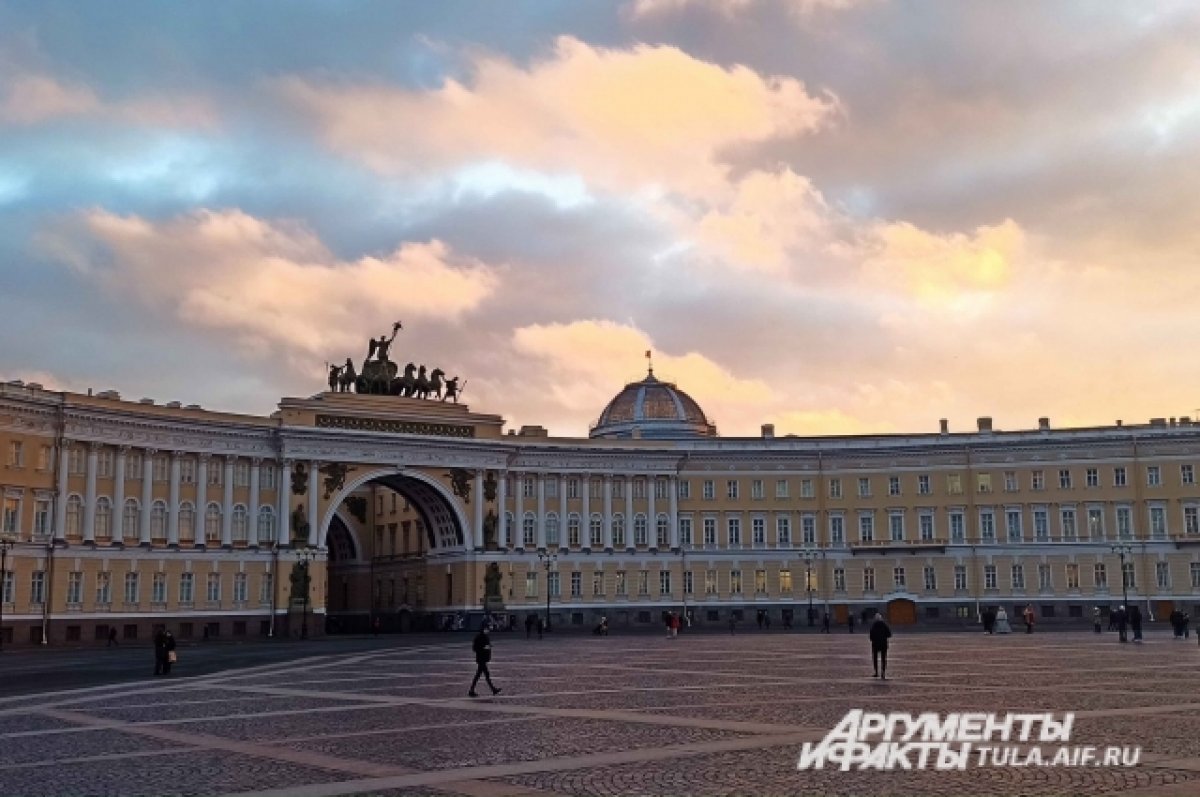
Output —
(1123, 621)
(995, 621)
(1181, 623)
(164, 652)
(673, 622)
(534, 622)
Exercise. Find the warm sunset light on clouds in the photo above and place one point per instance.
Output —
(833, 216)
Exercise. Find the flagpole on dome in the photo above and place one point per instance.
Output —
(649, 363)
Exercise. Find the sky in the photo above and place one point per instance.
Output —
(836, 216)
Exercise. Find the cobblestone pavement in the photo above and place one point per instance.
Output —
(702, 714)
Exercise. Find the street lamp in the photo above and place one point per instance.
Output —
(306, 555)
(6, 544)
(809, 554)
(1123, 550)
(547, 559)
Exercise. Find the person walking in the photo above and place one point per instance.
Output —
(1002, 626)
(825, 623)
(112, 638)
(529, 622)
(1028, 617)
(1096, 620)
(1121, 620)
(160, 652)
(880, 634)
(732, 623)
(850, 622)
(1135, 623)
(483, 654)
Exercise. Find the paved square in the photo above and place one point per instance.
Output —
(640, 715)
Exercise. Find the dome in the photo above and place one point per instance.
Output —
(654, 410)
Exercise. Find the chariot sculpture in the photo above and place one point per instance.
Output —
(381, 376)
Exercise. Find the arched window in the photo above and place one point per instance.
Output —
(74, 516)
(130, 518)
(552, 529)
(240, 526)
(573, 530)
(663, 528)
(618, 525)
(187, 521)
(529, 530)
(266, 524)
(639, 529)
(103, 518)
(596, 530)
(158, 520)
(212, 523)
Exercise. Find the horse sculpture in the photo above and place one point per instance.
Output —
(435, 382)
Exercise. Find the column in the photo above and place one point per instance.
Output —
(60, 508)
(585, 533)
(651, 516)
(284, 535)
(118, 521)
(629, 514)
(608, 537)
(313, 497)
(252, 510)
(562, 511)
(479, 499)
(201, 515)
(173, 501)
(147, 497)
(227, 504)
(519, 511)
(89, 495)
(502, 511)
(673, 486)
(541, 511)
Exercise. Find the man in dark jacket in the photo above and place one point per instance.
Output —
(483, 654)
(880, 633)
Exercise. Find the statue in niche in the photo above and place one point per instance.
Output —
(489, 487)
(490, 523)
(299, 526)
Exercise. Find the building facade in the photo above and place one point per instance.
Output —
(341, 512)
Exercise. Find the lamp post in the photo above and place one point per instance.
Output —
(547, 559)
(810, 554)
(306, 555)
(1123, 550)
(6, 544)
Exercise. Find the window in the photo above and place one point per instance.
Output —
(41, 518)
(618, 488)
(896, 526)
(783, 528)
(835, 488)
(212, 523)
(899, 579)
(1072, 571)
(618, 526)
(162, 468)
(572, 488)
(576, 584)
(1095, 521)
(756, 489)
(1037, 480)
(266, 589)
(103, 588)
(16, 454)
(640, 530)
(987, 525)
(662, 488)
(785, 581)
(708, 490)
(808, 531)
(552, 529)
(1191, 520)
(213, 591)
(839, 579)
(75, 460)
(239, 588)
(131, 588)
(1129, 578)
(930, 578)
(528, 531)
(868, 579)
(187, 471)
(781, 488)
(187, 521)
(688, 586)
(806, 488)
(240, 526)
(241, 473)
(664, 582)
(1010, 481)
(527, 487)
(731, 489)
(758, 531)
(662, 531)
(531, 584)
(1100, 576)
(643, 582)
(187, 587)
(710, 582)
(733, 526)
(954, 484)
(1064, 479)
(983, 482)
(989, 577)
(1067, 516)
(923, 487)
(621, 583)
(37, 587)
(960, 578)
(11, 523)
(1158, 522)
(598, 584)
(710, 531)
(1187, 474)
(158, 588)
(837, 530)
(7, 588)
(1120, 478)
(685, 489)
(735, 582)
(1154, 476)
(268, 476)
(1045, 577)
(1092, 477)
(158, 520)
(75, 588)
(893, 485)
(1162, 575)
(1018, 577)
(74, 516)
(266, 524)
(639, 488)
(43, 461)
(1012, 523)
(864, 487)
(596, 530)
(866, 527)
(958, 527)
(925, 523)
(760, 581)
(1194, 568)
(595, 487)
(1041, 524)
(552, 488)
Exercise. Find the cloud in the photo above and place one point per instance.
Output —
(728, 8)
(272, 286)
(647, 119)
(35, 98)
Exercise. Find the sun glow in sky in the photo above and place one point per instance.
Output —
(831, 215)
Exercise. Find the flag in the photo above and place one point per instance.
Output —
(647, 354)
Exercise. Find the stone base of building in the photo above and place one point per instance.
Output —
(93, 632)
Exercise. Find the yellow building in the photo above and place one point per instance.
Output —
(127, 515)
